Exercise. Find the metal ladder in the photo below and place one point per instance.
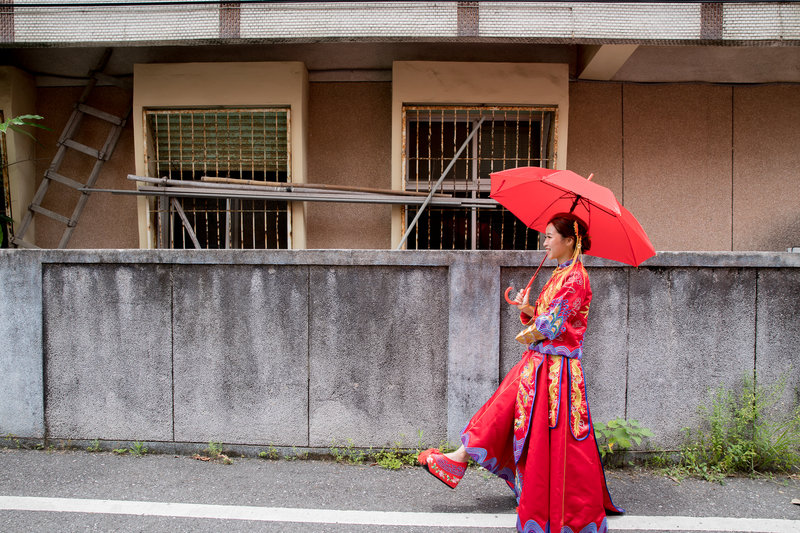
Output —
(66, 142)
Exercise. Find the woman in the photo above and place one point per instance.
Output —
(535, 431)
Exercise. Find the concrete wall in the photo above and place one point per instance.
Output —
(703, 167)
(301, 348)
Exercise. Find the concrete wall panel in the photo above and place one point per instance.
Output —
(606, 343)
(240, 364)
(766, 183)
(691, 331)
(473, 347)
(776, 341)
(21, 387)
(350, 133)
(107, 349)
(677, 154)
(378, 349)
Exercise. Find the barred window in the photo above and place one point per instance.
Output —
(509, 137)
(250, 144)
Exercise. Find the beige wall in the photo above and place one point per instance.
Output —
(677, 164)
(766, 177)
(225, 84)
(436, 82)
(107, 221)
(703, 167)
(349, 144)
(595, 135)
(18, 97)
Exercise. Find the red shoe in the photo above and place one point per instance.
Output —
(422, 458)
(445, 469)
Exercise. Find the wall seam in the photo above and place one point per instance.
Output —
(627, 343)
(43, 347)
(622, 137)
(172, 342)
(733, 144)
(755, 330)
(308, 357)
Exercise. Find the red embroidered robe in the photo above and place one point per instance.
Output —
(535, 432)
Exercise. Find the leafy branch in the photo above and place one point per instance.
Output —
(16, 123)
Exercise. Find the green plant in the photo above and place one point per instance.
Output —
(16, 123)
(270, 453)
(94, 446)
(120, 451)
(215, 454)
(619, 435)
(138, 449)
(214, 449)
(348, 454)
(389, 459)
(744, 431)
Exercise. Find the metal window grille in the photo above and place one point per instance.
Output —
(251, 144)
(509, 137)
(5, 194)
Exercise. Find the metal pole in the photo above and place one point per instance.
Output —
(436, 185)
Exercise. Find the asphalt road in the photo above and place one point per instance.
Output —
(318, 487)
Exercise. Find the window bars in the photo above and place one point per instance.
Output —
(249, 144)
(509, 137)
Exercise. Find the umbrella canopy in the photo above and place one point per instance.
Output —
(536, 194)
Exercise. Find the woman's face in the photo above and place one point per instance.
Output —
(558, 247)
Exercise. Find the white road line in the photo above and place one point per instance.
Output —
(377, 518)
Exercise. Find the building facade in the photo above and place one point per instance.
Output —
(688, 111)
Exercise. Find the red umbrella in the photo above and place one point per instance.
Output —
(536, 194)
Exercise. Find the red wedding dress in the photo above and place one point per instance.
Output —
(535, 432)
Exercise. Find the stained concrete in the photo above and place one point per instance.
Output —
(605, 348)
(21, 386)
(473, 348)
(378, 350)
(301, 348)
(108, 351)
(240, 354)
(778, 337)
(690, 332)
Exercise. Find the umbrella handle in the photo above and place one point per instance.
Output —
(509, 300)
(512, 302)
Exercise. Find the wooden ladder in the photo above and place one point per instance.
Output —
(66, 142)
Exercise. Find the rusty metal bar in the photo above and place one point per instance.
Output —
(178, 209)
(410, 228)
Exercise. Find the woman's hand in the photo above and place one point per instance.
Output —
(523, 302)
(522, 297)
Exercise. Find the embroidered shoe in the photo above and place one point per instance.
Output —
(422, 458)
(445, 469)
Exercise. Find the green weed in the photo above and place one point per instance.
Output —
(138, 449)
(618, 436)
(94, 446)
(742, 434)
